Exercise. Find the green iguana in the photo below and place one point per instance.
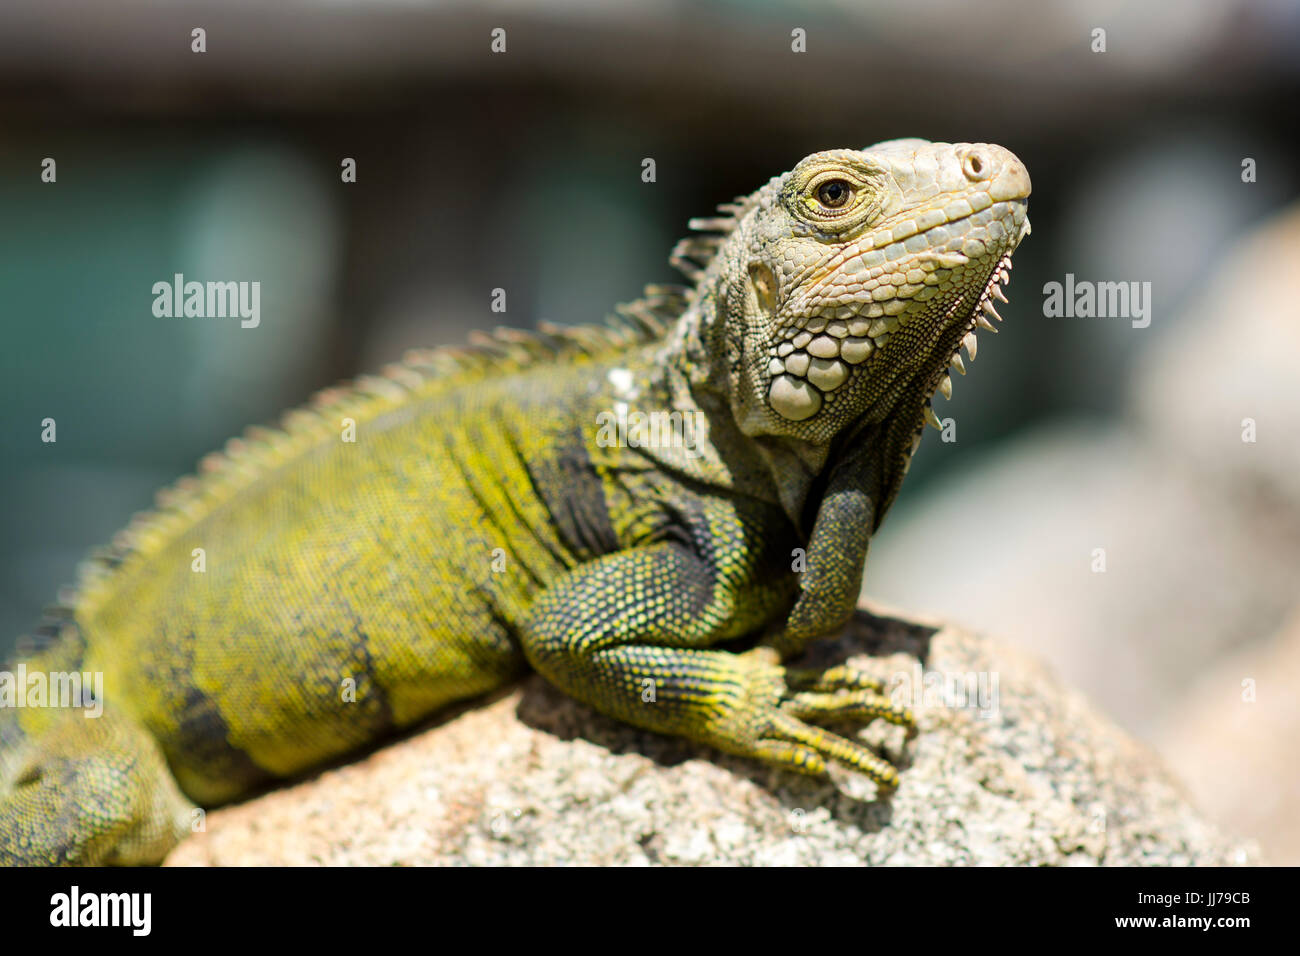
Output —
(507, 505)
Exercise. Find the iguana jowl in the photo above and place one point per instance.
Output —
(482, 522)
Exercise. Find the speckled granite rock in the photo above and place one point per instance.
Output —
(1030, 775)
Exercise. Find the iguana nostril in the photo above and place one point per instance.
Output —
(1011, 181)
(975, 166)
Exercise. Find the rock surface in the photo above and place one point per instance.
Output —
(1029, 773)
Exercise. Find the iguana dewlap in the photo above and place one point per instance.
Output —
(514, 504)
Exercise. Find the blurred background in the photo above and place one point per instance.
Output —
(521, 170)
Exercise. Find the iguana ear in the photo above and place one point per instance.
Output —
(692, 255)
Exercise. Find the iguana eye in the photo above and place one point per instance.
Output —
(834, 193)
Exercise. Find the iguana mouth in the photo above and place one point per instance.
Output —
(822, 348)
(979, 318)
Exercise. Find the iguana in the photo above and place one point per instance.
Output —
(513, 504)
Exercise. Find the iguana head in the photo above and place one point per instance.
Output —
(843, 289)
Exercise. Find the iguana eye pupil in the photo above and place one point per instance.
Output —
(834, 193)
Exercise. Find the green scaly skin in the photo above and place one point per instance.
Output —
(485, 520)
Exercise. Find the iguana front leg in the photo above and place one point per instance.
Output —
(835, 558)
(628, 634)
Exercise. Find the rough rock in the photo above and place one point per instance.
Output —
(1030, 773)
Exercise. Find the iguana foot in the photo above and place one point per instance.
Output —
(617, 634)
(784, 709)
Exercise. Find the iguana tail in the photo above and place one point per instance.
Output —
(79, 783)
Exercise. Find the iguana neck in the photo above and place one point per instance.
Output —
(689, 374)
